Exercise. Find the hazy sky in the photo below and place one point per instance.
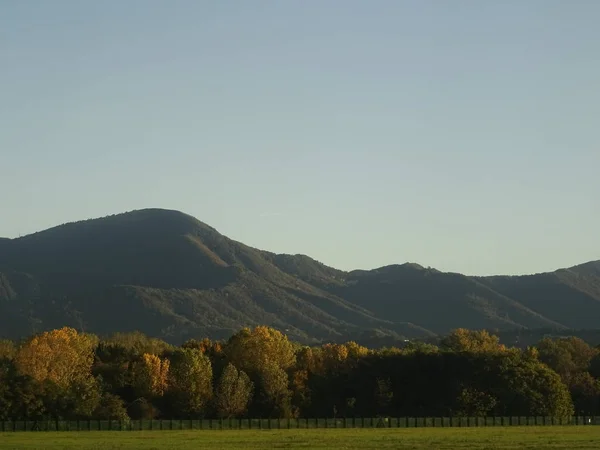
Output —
(457, 134)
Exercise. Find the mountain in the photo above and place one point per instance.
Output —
(169, 275)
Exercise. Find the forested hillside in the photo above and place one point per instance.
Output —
(171, 276)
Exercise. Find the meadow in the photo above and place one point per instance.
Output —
(555, 438)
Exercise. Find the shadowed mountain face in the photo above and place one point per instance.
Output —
(169, 275)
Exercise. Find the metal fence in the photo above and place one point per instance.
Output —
(276, 424)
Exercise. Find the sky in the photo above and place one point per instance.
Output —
(461, 135)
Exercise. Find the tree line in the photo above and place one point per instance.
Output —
(259, 372)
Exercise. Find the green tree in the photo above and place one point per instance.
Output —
(475, 403)
(529, 387)
(384, 395)
(77, 401)
(233, 393)
(585, 391)
(111, 407)
(21, 397)
(7, 349)
(190, 382)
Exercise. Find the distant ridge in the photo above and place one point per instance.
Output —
(170, 275)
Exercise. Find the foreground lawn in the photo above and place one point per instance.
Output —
(568, 438)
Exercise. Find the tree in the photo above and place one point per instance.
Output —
(77, 401)
(252, 350)
(463, 340)
(61, 361)
(383, 395)
(7, 349)
(111, 407)
(274, 399)
(567, 357)
(233, 393)
(265, 354)
(60, 356)
(190, 382)
(585, 391)
(137, 343)
(151, 376)
(475, 403)
(528, 387)
(21, 397)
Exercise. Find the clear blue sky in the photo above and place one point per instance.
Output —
(457, 134)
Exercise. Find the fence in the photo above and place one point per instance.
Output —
(304, 423)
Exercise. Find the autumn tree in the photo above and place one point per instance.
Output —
(61, 356)
(61, 360)
(137, 343)
(233, 393)
(567, 357)
(151, 376)
(265, 354)
(463, 340)
(251, 350)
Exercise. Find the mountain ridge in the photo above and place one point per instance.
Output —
(173, 276)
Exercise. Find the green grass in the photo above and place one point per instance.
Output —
(555, 438)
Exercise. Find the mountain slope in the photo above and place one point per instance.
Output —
(165, 273)
(169, 275)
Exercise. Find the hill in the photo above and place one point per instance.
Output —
(169, 275)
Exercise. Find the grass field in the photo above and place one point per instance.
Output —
(555, 438)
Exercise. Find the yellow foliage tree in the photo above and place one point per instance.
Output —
(152, 375)
(61, 356)
(356, 351)
(252, 350)
(463, 340)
